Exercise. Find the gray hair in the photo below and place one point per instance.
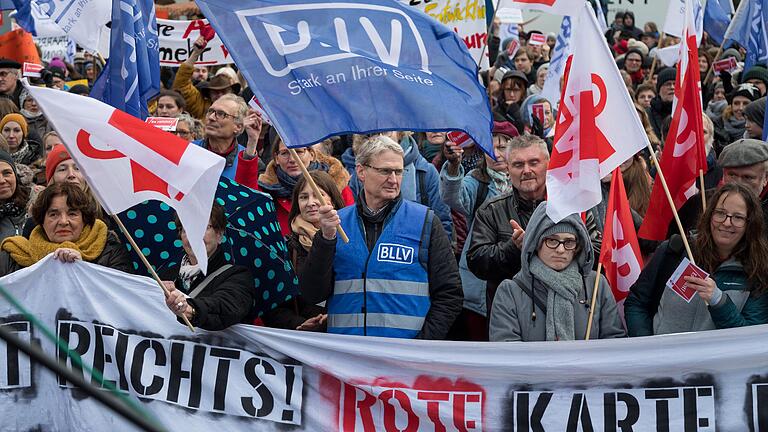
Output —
(195, 125)
(375, 146)
(242, 106)
(525, 141)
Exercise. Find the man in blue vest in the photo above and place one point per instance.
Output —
(397, 276)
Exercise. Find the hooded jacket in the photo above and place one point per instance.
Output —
(512, 316)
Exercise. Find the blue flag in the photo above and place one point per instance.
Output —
(716, 21)
(322, 69)
(7, 4)
(132, 74)
(749, 30)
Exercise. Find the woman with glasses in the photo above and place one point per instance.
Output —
(733, 295)
(550, 298)
(283, 173)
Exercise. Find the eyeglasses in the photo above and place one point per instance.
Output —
(554, 243)
(286, 154)
(5, 73)
(219, 114)
(181, 132)
(386, 172)
(720, 215)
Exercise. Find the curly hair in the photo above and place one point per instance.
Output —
(77, 199)
(751, 249)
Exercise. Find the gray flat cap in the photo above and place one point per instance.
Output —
(743, 152)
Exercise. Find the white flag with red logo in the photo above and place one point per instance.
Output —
(684, 151)
(597, 127)
(557, 7)
(127, 161)
(620, 253)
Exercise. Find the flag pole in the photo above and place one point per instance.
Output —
(316, 190)
(671, 204)
(712, 66)
(488, 36)
(655, 58)
(135, 247)
(594, 297)
(703, 195)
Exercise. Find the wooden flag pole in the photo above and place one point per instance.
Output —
(655, 58)
(671, 204)
(316, 190)
(149, 267)
(703, 194)
(712, 66)
(594, 297)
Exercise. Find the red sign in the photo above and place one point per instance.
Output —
(167, 124)
(512, 47)
(430, 404)
(538, 112)
(727, 64)
(537, 39)
(460, 138)
(677, 282)
(31, 70)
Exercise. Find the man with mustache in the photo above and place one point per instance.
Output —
(499, 226)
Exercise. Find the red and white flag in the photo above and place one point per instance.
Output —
(557, 7)
(127, 161)
(620, 254)
(597, 127)
(684, 151)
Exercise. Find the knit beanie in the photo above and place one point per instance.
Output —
(755, 111)
(749, 91)
(559, 228)
(15, 117)
(6, 157)
(756, 72)
(732, 52)
(665, 75)
(57, 155)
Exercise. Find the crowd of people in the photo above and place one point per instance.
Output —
(445, 242)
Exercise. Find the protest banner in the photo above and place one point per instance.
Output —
(177, 38)
(251, 378)
(55, 46)
(18, 45)
(466, 18)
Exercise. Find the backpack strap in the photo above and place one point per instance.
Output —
(541, 304)
(482, 194)
(421, 178)
(208, 279)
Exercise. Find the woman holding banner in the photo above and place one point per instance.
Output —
(67, 226)
(549, 299)
(733, 295)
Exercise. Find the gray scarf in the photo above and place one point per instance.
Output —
(562, 290)
(500, 181)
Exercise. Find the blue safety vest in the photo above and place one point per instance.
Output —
(385, 291)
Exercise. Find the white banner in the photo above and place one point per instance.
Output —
(176, 40)
(465, 17)
(55, 46)
(251, 378)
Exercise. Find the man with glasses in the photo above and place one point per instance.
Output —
(661, 105)
(10, 87)
(397, 276)
(224, 121)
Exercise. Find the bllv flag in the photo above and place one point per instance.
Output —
(684, 152)
(132, 74)
(597, 127)
(83, 21)
(127, 161)
(620, 253)
(357, 66)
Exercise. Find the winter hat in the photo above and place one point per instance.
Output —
(57, 63)
(57, 72)
(756, 72)
(517, 75)
(635, 45)
(755, 111)
(80, 89)
(57, 155)
(744, 152)
(665, 75)
(505, 128)
(15, 117)
(731, 52)
(559, 228)
(6, 157)
(9, 64)
(749, 91)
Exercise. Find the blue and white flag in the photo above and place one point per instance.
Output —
(322, 69)
(754, 36)
(132, 74)
(7, 5)
(716, 21)
(563, 49)
(82, 20)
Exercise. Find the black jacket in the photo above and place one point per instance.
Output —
(657, 113)
(115, 256)
(294, 312)
(317, 279)
(228, 298)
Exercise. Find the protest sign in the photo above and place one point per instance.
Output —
(250, 378)
(677, 281)
(726, 64)
(18, 45)
(54, 46)
(167, 124)
(31, 70)
(465, 17)
(178, 37)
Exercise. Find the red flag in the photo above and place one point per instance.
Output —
(620, 254)
(684, 152)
